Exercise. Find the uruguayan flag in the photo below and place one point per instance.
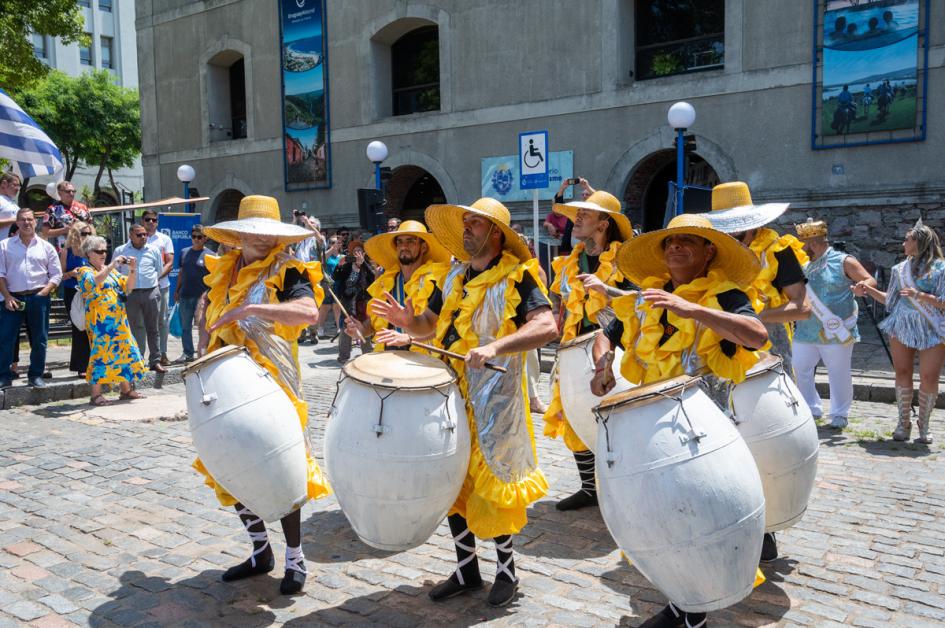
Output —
(24, 144)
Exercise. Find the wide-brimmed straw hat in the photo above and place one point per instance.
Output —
(258, 215)
(733, 211)
(642, 257)
(381, 248)
(811, 229)
(599, 201)
(446, 222)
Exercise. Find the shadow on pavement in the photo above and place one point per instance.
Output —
(407, 606)
(889, 447)
(202, 599)
(572, 535)
(327, 537)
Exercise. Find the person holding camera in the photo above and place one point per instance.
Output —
(558, 226)
(352, 280)
(29, 272)
(144, 300)
(115, 358)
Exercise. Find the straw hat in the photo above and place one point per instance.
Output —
(811, 229)
(599, 201)
(446, 222)
(382, 249)
(642, 257)
(733, 211)
(258, 215)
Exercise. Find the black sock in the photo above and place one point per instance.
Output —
(585, 465)
(505, 563)
(292, 529)
(261, 560)
(467, 570)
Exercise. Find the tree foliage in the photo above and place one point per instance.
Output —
(18, 18)
(90, 118)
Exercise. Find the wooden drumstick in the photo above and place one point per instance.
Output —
(341, 306)
(458, 356)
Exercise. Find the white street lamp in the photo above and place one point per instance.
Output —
(680, 116)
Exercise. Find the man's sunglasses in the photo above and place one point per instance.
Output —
(198, 236)
(150, 220)
(67, 191)
(139, 235)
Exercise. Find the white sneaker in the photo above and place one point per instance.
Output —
(838, 422)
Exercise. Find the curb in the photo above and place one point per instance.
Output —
(63, 391)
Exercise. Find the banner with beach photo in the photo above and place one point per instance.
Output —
(870, 68)
(305, 94)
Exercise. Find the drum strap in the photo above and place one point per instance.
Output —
(505, 563)
(260, 539)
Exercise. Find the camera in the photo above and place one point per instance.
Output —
(296, 212)
(574, 181)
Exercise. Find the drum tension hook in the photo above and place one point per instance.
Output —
(205, 397)
(611, 457)
(450, 423)
(380, 428)
(789, 399)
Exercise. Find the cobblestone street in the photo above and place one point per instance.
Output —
(103, 522)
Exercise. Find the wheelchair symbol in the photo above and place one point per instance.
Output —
(532, 152)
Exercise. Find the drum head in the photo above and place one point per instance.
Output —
(648, 391)
(399, 369)
(213, 356)
(579, 340)
(767, 362)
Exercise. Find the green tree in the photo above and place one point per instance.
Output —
(18, 18)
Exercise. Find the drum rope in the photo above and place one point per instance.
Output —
(333, 407)
(679, 401)
(379, 428)
(451, 423)
(603, 421)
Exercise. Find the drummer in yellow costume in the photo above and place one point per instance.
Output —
(261, 297)
(587, 280)
(779, 291)
(692, 313)
(492, 307)
(414, 262)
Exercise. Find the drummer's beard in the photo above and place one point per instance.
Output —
(406, 259)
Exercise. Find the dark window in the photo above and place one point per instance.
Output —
(107, 52)
(415, 71)
(679, 36)
(85, 55)
(105, 5)
(85, 3)
(238, 99)
(39, 45)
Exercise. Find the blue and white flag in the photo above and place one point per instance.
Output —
(24, 144)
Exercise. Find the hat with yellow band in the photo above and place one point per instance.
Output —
(260, 216)
(446, 222)
(602, 202)
(383, 248)
(734, 212)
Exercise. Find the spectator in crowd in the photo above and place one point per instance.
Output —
(308, 250)
(163, 243)
(915, 300)
(144, 300)
(9, 191)
(29, 272)
(115, 358)
(72, 259)
(59, 216)
(352, 279)
(333, 257)
(393, 223)
(190, 287)
(343, 233)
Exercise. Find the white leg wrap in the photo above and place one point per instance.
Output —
(503, 567)
(294, 559)
(256, 537)
(457, 541)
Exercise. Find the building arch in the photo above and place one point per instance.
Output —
(221, 199)
(423, 162)
(224, 52)
(374, 52)
(410, 191)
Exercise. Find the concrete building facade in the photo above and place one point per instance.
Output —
(509, 66)
(110, 25)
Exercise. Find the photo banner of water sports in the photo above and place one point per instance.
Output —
(870, 61)
(305, 94)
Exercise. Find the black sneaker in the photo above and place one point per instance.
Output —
(502, 592)
(451, 588)
(581, 499)
(292, 582)
(769, 548)
(672, 617)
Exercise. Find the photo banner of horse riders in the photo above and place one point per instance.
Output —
(304, 94)
(870, 72)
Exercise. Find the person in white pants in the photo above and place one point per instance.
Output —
(828, 335)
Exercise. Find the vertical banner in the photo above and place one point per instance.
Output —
(870, 86)
(177, 227)
(304, 94)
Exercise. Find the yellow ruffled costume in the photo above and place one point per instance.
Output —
(490, 506)
(222, 297)
(762, 292)
(580, 303)
(418, 289)
(647, 361)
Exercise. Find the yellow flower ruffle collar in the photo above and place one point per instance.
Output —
(418, 289)
(581, 302)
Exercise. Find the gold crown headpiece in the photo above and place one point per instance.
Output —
(811, 229)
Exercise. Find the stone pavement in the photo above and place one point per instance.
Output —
(103, 523)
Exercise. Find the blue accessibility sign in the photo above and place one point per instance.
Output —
(533, 160)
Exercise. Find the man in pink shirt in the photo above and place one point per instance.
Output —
(29, 272)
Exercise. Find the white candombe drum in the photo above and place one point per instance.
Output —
(575, 367)
(778, 427)
(396, 446)
(247, 433)
(680, 493)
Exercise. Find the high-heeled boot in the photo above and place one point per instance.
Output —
(926, 405)
(904, 402)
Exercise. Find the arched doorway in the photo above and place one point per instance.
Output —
(226, 205)
(410, 191)
(647, 191)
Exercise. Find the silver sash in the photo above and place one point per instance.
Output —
(496, 398)
(932, 315)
